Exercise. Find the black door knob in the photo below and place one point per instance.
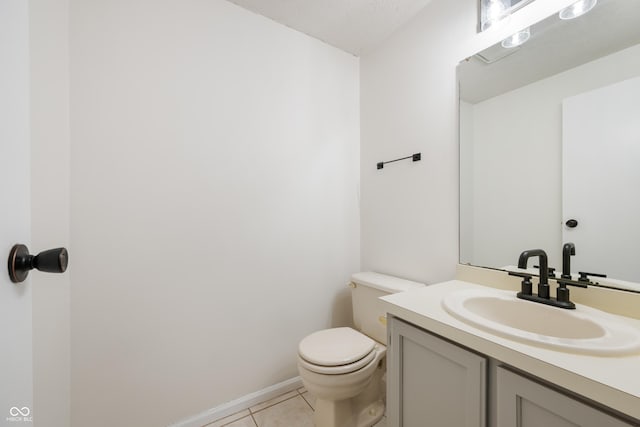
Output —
(572, 223)
(21, 262)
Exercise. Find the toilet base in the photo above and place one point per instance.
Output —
(342, 413)
(363, 410)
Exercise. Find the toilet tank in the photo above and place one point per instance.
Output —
(369, 316)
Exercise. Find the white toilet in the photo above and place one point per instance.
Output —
(344, 368)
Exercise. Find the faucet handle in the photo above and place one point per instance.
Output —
(562, 294)
(526, 285)
(584, 276)
(568, 282)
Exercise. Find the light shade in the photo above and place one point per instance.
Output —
(579, 8)
(517, 39)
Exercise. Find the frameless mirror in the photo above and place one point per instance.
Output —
(550, 146)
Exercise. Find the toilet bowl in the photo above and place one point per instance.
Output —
(344, 368)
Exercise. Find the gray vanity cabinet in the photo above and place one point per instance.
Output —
(525, 403)
(432, 382)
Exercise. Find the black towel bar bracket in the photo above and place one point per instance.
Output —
(415, 157)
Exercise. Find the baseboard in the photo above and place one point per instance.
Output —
(240, 404)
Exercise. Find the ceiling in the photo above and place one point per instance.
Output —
(355, 26)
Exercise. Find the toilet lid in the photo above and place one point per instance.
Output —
(335, 347)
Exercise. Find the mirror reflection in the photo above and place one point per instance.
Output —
(550, 146)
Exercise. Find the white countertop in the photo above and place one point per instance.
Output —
(612, 381)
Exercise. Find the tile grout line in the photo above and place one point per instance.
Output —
(305, 400)
(230, 421)
(251, 412)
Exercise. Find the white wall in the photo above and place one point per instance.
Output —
(215, 222)
(408, 104)
(527, 143)
(49, 31)
(517, 176)
(466, 182)
(600, 152)
(409, 221)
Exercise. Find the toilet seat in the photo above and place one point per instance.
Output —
(338, 370)
(336, 351)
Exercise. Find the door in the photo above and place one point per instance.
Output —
(601, 151)
(16, 390)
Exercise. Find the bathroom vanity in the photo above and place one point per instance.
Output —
(443, 371)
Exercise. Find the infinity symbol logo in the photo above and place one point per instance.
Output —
(24, 411)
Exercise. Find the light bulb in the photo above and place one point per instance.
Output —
(517, 39)
(579, 8)
(494, 11)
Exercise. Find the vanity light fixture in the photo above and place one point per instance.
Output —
(577, 9)
(517, 39)
(498, 11)
(492, 12)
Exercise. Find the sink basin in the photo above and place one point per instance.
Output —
(583, 330)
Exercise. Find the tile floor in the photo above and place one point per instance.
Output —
(293, 409)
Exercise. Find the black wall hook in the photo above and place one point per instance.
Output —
(21, 262)
(415, 157)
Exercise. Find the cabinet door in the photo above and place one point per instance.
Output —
(431, 382)
(525, 403)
